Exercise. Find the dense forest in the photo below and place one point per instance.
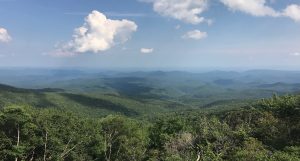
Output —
(50, 115)
(265, 130)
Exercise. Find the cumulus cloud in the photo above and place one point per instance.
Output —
(293, 12)
(252, 7)
(147, 50)
(195, 34)
(4, 36)
(188, 11)
(97, 34)
(260, 8)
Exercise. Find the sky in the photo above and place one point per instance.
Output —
(151, 34)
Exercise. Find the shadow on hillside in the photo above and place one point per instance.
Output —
(23, 90)
(129, 86)
(99, 103)
(43, 102)
(34, 97)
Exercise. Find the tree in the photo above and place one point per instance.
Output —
(65, 136)
(17, 134)
(287, 110)
(251, 149)
(214, 139)
(124, 139)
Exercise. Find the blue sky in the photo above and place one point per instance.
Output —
(221, 34)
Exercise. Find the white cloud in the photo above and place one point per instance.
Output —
(4, 36)
(293, 12)
(97, 34)
(147, 50)
(252, 7)
(295, 54)
(188, 11)
(260, 8)
(195, 34)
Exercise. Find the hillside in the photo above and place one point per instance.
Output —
(267, 130)
(91, 104)
(194, 90)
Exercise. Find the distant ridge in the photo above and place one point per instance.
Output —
(4, 87)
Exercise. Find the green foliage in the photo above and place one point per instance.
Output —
(287, 110)
(251, 149)
(17, 133)
(214, 139)
(163, 129)
(266, 131)
(124, 139)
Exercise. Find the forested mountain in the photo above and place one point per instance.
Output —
(196, 89)
(149, 116)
